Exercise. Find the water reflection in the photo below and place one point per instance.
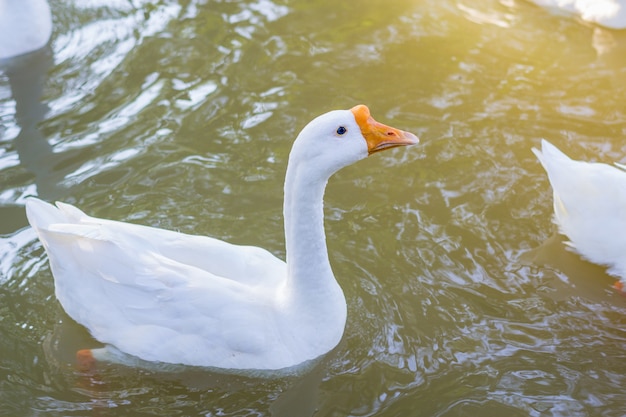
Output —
(27, 76)
(462, 302)
(577, 276)
(25, 58)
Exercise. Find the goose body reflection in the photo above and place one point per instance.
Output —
(168, 297)
(25, 58)
(589, 207)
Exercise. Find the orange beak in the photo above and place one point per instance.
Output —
(379, 136)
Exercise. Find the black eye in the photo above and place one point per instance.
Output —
(341, 130)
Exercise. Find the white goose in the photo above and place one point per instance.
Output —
(25, 26)
(608, 13)
(589, 207)
(169, 297)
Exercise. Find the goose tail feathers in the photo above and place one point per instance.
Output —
(41, 215)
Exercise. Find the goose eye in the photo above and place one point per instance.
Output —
(341, 130)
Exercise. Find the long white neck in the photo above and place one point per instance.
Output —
(310, 277)
(313, 297)
(308, 267)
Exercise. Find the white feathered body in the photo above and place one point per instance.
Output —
(589, 206)
(25, 26)
(171, 297)
(608, 13)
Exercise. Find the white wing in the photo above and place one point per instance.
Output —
(162, 295)
(589, 205)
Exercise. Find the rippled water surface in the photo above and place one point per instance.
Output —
(180, 115)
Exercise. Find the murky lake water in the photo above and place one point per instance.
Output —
(461, 301)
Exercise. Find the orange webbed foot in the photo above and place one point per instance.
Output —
(85, 360)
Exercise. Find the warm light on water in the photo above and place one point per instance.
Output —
(461, 301)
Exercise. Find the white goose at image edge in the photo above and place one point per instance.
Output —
(589, 207)
(608, 13)
(25, 26)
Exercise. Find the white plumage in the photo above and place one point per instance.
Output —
(589, 207)
(168, 297)
(607, 13)
(25, 26)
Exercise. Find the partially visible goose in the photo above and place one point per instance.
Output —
(589, 207)
(607, 13)
(25, 26)
(169, 297)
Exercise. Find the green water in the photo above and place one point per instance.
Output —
(180, 115)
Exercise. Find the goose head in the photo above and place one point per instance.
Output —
(341, 137)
